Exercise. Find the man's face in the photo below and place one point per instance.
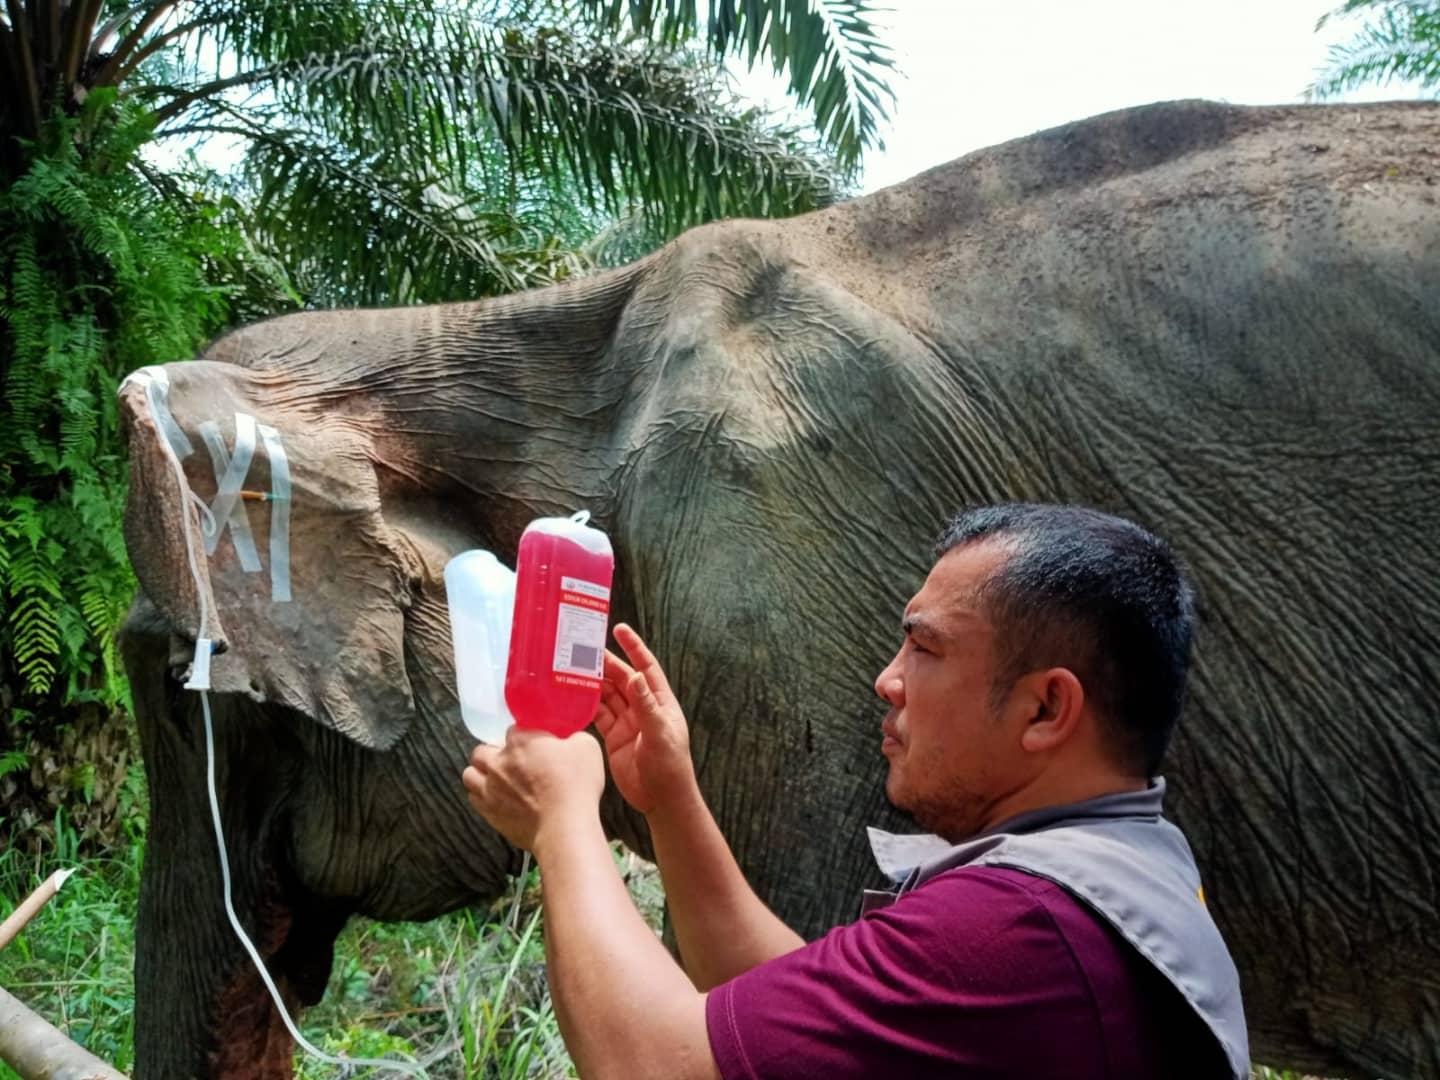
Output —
(950, 757)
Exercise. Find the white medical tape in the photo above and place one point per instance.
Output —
(279, 514)
(200, 666)
(157, 393)
(229, 477)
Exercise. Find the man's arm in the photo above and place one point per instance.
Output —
(625, 1009)
(722, 927)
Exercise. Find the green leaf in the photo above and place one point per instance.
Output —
(1402, 43)
(831, 50)
(13, 761)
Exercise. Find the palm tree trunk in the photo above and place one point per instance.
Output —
(29, 89)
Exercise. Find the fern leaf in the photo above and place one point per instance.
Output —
(13, 761)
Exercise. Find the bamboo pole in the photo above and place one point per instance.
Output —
(31, 906)
(38, 1051)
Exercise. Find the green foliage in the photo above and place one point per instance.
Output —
(98, 277)
(73, 962)
(500, 1028)
(13, 761)
(835, 59)
(436, 152)
(464, 994)
(1400, 42)
(400, 151)
(564, 123)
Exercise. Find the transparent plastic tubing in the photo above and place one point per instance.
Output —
(202, 642)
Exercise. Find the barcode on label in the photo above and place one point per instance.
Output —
(579, 641)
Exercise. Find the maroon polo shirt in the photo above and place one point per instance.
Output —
(981, 971)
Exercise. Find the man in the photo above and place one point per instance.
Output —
(1055, 926)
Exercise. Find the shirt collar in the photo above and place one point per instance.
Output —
(899, 855)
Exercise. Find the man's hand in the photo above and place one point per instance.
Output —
(535, 781)
(644, 729)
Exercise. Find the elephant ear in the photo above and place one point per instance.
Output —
(305, 592)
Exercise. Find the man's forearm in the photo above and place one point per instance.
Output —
(625, 1008)
(722, 927)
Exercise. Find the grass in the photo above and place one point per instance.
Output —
(463, 995)
(73, 963)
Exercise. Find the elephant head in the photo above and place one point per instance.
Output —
(1220, 322)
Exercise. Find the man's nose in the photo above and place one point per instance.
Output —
(890, 686)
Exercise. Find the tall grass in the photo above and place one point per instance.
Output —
(464, 995)
(73, 963)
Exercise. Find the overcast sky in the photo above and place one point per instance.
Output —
(979, 72)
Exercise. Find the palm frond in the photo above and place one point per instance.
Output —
(1402, 43)
(622, 127)
(1349, 7)
(637, 126)
(611, 116)
(358, 229)
(830, 49)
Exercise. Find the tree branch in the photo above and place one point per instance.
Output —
(112, 26)
(106, 76)
(184, 99)
(31, 906)
(54, 19)
(158, 42)
(45, 17)
(80, 25)
(34, 1048)
(207, 129)
(9, 62)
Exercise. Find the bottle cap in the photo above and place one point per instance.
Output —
(574, 528)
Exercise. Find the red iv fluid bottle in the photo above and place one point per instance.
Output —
(557, 642)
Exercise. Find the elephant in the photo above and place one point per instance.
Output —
(1221, 322)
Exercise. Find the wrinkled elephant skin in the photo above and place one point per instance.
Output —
(1222, 322)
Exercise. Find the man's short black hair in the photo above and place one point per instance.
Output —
(1096, 594)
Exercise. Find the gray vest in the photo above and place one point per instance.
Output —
(1127, 863)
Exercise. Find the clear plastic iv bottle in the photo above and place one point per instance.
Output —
(480, 592)
(562, 606)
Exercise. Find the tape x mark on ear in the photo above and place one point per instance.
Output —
(228, 509)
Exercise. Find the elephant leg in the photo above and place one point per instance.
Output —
(251, 1038)
(201, 1009)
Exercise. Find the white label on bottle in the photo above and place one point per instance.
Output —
(579, 641)
(588, 588)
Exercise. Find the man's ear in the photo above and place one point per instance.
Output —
(1054, 702)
